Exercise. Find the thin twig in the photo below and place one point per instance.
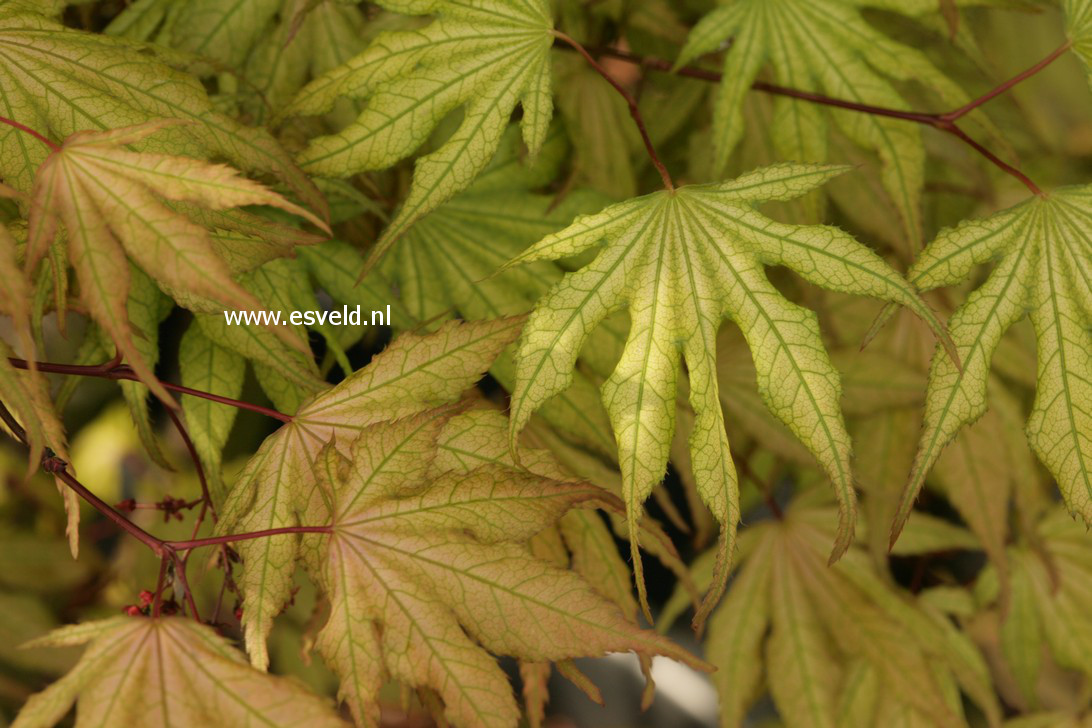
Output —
(1004, 166)
(945, 122)
(1018, 78)
(59, 469)
(182, 584)
(208, 506)
(157, 601)
(163, 549)
(123, 372)
(235, 537)
(634, 111)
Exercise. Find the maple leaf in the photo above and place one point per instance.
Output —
(60, 81)
(977, 473)
(206, 366)
(683, 261)
(288, 375)
(167, 671)
(276, 46)
(463, 242)
(425, 572)
(26, 393)
(113, 203)
(477, 438)
(823, 46)
(146, 308)
(837, 646)
(1078, 28)
(1043, 253)
(483, 57)
(414, 374)
(1046, 607)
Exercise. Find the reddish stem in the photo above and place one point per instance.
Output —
(945, 122)
(234, 537)
(157, 602)
(634, 111)
(1018, 78)
(180, 577)
(207, 505)
(1004, 166)
(163, 549)
(122, 372)
(37, 135)
(59, 469)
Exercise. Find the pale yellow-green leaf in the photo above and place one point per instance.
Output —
(444, 267)
(805, 682)
(862, 628)
(978, 479)
(60, 81)
(1043, 253)
(929, 534)
(842, 639)
(112, 203)
(483, 58)
(435, 570)
(27, 393)
(604, 138)
(477, 438)
(822, 46)
(1078, 28)
(736, 632)
(170, 671)
(885, 446)
(206, 366)
(414, 374)
(275, 46)
(681, 262)
(147, 307)
(859, 696)
(1021, 634)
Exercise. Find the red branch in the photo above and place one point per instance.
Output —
(634, 111)
(117, 371)
(234, 537)
(945, 122)
(166, 551)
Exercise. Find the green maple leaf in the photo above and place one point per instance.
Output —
(209, 367)
(427, 568)
(682, 262)
(60, 81)
(836, 646)
(823, 46)
(27, 394)
(1043, 254)
(477, 438)
(171, 671)
(1043, 622)
(1078, 27)
(444, 265)
(483, 57)
(416, 373)
(276, 46)
(114, 204)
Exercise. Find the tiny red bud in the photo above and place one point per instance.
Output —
(239, 613)
(133, 611)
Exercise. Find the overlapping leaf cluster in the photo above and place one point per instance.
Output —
(581, 352)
